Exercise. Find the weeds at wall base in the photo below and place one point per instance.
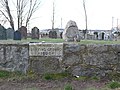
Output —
(16, 76)
(56, 76)
(113, 84)
(10, 76)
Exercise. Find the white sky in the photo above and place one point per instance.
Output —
(100, 13)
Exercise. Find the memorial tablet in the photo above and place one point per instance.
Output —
(46, 49)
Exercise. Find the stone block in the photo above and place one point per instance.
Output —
(42, 65)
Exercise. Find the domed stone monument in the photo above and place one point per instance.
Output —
(71, 32)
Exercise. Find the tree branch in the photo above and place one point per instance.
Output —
(4, 15)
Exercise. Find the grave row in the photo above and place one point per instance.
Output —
(22, 33)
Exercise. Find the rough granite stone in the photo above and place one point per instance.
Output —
(71, 32)
(88, 60)
(14, 57)
(42, 65)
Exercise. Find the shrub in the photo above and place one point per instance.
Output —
(114, 85)
(4, 74)
(48, 76)
(55, 76)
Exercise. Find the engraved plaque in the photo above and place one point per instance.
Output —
(46, 49)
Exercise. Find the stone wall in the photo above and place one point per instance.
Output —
(90, 60)
(46, 57)
(14, 57)
(78, 59)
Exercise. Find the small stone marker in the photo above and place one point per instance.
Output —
(46, 49)
(71, 32)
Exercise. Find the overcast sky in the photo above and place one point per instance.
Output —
(99, 12)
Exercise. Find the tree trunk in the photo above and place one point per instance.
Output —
(85, 19)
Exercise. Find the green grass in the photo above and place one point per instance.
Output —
(95, 78)
(9, 75)
(113, 85)
(48, 40)
(55, 76)
(98, 42)
(4, 74)
(81, 78)
(17, 76)
(85, 78)
(58, 40)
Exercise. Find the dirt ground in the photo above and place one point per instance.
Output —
(39, 84)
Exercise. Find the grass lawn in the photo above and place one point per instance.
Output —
(49, 40)
(98, 42)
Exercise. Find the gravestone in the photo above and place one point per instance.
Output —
(17, 35)
(35, 33)
(23, 31)
(71, 32)
(10, 33)
(103, 35)
(61, 35)
(96, 35)
(52, 34)
(3, 35)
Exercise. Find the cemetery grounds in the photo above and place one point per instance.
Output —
(32, 81)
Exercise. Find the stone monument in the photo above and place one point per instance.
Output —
(71, 32)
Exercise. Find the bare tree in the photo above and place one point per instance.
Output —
(85, 32)
(2, 20)
(33, 7)
(25, 10)
(6, 9)
(21, 4)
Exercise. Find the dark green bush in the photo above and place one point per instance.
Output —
(48, 76)
(4, 74)
(114, 85)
